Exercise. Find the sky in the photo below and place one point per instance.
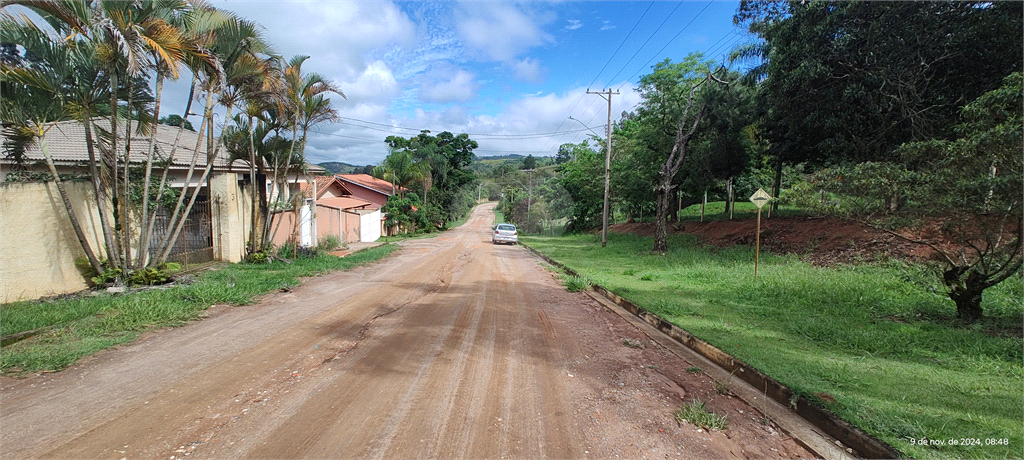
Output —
(508, 74)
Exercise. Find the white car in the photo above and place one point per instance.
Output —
(505, 233)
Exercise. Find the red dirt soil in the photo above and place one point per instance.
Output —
(821, 241)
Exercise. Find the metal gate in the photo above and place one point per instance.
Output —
(194, 244)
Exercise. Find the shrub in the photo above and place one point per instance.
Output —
(329, 243)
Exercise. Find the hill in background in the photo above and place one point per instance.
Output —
(336, 167)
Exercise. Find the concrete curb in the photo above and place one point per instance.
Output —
(864, 444)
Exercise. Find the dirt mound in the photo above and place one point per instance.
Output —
(821, 241)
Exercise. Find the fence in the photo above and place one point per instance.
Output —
(194, 244)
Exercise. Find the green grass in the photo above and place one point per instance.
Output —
(695, 413)
(715, 210)
(882, 340)
(76, 327)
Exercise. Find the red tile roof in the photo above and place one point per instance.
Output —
(368, 181)
(322, 184)
(346, 202)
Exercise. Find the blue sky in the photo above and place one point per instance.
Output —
(509, 74)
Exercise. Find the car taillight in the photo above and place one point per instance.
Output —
(496, 232)
(515, 233)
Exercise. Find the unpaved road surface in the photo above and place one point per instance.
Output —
(452, 348)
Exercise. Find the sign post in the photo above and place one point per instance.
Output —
(759, 198)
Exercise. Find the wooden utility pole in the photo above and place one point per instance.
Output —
(606, 95)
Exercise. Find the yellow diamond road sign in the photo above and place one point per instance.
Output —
(760, 198)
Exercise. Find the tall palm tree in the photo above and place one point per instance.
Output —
(125, 40)
(245, 58)
(179, 40)
(63, 82)
(303, 103)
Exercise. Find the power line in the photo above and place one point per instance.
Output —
(647, 41)
(545, 146)
(670, 41)
(623, 42)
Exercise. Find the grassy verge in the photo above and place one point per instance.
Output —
(715, 210)
(76, 327)
(876, 344)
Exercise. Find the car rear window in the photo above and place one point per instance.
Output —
(506, 227)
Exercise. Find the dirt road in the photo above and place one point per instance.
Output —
(453, 348)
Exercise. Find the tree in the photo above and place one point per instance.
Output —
(851, 81)
(688, 124)
(977, 180)
(665, 122)
(402, 170)
(450, 179)
(968, 208)
(61, 78)
(176, 120)
(529, 162)
(582, 179)
(243, 61)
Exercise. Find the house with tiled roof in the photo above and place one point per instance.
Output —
(369, 188)
(340, 212)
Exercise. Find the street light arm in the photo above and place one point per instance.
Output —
(584, 125)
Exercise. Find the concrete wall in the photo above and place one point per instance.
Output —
(38, 246)
(328, 221)
(284, 222)
(231, 209)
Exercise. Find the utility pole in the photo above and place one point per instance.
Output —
(606, 95)
(529, 197)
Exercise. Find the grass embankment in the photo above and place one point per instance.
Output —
(715, 210)
(72, 328)
(876, 344)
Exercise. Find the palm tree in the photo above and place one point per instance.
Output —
(61, 83)
(401, 169)
(241, 49)
(176, 38)
(303, 103)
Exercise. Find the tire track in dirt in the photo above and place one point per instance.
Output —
(454, 348)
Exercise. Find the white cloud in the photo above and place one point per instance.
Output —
(457, 87)
(529, 70)
(339, 37)
(500, 30)
(573, 24)
(376, 83)
(607, 26)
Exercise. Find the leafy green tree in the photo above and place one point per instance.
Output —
(448, 185)
(583, 180)
(966, 195)
(529, 162)
(849, 82)
(667, 120)
(176, 120)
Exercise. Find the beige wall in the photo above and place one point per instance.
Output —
(38, 246)
(231, 207)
